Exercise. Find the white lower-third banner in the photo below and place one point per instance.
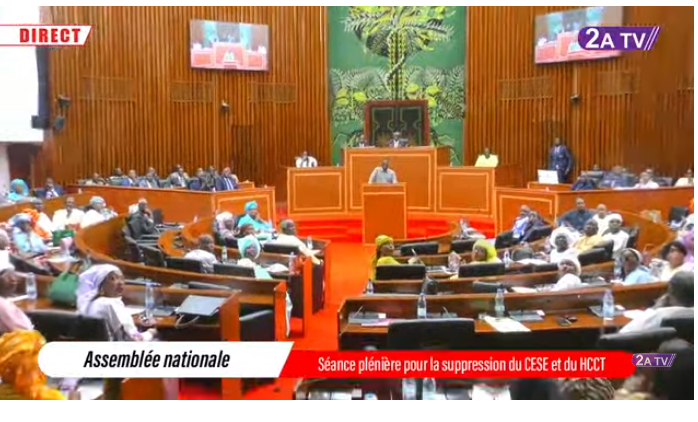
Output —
(164, 359)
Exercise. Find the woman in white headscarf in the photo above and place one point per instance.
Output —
(96, 214)
(616, 234)
(250, 249)
(569, 270)
(99, 296)
(562, 240)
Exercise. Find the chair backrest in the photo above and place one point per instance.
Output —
(545, 268)
(633, 235)
(443, 334)
(153, 256)
(421, 248)
(481, 270)
(462, 245)
(677, 214)
(133, 251)
(485, 287)
(184, 264)
(272, 247)
(683, 324)
(57, 325)
(504, 240)
(401, 272)
(158, 217)
(607, 246)
(233, 270)
(646, 341)
(540, 233)
(592, 256)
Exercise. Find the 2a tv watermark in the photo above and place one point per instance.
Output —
(653, 360)
(619, 38)
(44, 35)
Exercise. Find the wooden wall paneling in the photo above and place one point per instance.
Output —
(137, 103)
(636, 110)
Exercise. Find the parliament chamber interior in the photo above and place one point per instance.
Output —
(359, 178)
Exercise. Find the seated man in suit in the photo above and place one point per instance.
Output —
(306, 160)
(178, 178)
(68, 217)
(204, 253)
(140, 222)
(151, 179)
(584, 183)
(96, 180)
(613, 179)
(487, 159)
(51, 190)
(226, 181)
(289, 237)
(200, 181)
(361, 142)
(383, 174)
(132, 180)
(397, 141)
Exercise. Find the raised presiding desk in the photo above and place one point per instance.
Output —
(180, 205)
(431, 184)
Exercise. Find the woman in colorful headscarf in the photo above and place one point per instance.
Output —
(35, 217)
(484, 253)
(569, 270)
(21, 376)
(250, 248)
(384, 254)
(562, 240)
(96, 214)
(261, 227)
(19, 191)
(25, 238)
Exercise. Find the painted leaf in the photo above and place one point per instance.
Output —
(413, 88)
(360, 97)
(342, 93)
(432, 90)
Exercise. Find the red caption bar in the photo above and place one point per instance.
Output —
(449, 364)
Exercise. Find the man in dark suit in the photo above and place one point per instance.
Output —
(132, 181)
(226, 181)
(151, 179)
(51, 190)
(560, 160)
(141, 222)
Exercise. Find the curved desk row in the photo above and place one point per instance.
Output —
(546, 334)
(50, 206)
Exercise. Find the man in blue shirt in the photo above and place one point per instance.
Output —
(577, 217)
(614, 179)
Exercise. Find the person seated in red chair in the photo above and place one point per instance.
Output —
(584, 183)
(397, 141)
(151, 179)
(132, 180)
(226, 181)
(646, 181)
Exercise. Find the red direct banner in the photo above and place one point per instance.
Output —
(453, 364)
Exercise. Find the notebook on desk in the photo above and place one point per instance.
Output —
(506, 325)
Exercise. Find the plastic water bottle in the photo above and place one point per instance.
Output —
(369, 287)
(409, 389)
(30, 287)
(429, 389)
(422, 306)
(370, 396)
(499, 308)
(224, 254)
(608, 309)
(309, 242)
(507, 258)
(149, 299)
(292, 262)
(617, 270)
(464, 227)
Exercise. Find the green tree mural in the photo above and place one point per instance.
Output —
(397, 52)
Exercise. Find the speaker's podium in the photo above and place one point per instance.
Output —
(384, 210)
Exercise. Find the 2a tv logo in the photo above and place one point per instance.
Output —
(618, 38)
(653, 360)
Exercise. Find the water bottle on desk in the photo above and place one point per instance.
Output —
(617, 270)
(429, 389)
(608, 308)
(507, 258)
(224, 255)
(370, 396)
(309, 242)
(369, 287)
(149, 299)
(409, 389)
(292, 263)
(30, 287)
(499, 308)
(422, 306)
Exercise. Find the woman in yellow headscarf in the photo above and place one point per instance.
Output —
(19, 368)
(384, 254)
(484, 253)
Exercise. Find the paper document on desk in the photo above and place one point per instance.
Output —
(485, 392)
(277, 268)
(519, 289)
(506, 325)
(531, 261)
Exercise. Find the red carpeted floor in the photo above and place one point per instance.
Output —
(350, 263)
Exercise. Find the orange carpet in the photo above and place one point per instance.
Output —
(350, 265)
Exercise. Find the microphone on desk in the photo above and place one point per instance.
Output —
(417, 256)
(346, 326)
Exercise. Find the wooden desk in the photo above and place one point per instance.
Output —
(384, 211)
(180, 205)
(353, 335)
(316, 191)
